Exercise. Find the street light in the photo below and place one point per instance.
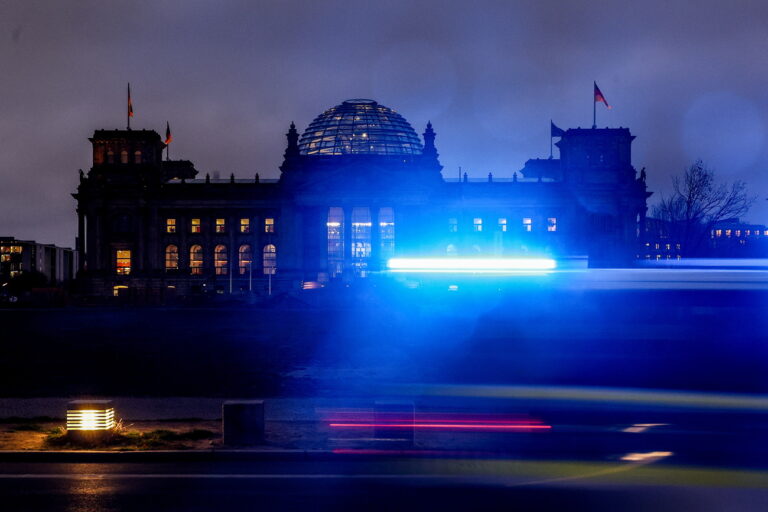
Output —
(90, 416)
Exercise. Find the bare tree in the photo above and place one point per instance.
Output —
(697, 203)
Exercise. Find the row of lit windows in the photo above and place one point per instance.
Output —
(502, 224)
(717, 233)
(10, 249)
(196, 260)
(658, 257)
(668, 247)
(123, 157)
(220, 225)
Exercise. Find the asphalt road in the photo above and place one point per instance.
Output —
(379, 483)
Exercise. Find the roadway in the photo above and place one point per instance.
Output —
(405, 481)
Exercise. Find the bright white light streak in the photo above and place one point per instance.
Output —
(470, 265)
(645, 457)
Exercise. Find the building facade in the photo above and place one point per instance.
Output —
(358, 187)
(58, 264)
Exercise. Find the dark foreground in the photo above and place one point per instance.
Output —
(379, 483)
(705, 336)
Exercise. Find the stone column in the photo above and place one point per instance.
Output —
(348, 240)
(375, 262)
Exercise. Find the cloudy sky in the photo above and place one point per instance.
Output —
(689, 79)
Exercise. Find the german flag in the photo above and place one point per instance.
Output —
(599, 96)
(130, 103)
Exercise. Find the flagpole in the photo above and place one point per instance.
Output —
(128, 108)
(594, 106)
(550, 138)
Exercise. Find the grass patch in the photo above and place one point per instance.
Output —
(122, 438)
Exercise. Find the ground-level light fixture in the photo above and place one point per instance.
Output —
(90, 416)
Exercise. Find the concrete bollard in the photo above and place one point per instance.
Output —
(243, 422)
(395, 421)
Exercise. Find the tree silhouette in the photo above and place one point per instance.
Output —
(697, 203)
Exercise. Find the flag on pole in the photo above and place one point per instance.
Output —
(130, 103)
(168, 136)
(555, 131)
(599, 96)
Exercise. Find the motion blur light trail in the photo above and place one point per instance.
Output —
(702, 400)
(433, 421)
(470, 265)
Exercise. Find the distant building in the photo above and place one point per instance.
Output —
(659, 243)
(58, 264)
(732, 238)
(358, 187)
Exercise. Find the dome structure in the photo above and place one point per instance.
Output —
(360, 127)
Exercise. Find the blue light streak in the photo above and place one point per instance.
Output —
(470, 265)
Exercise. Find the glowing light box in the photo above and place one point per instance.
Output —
(470, 265)
(90, 415)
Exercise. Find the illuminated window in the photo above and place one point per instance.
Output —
(658, 257)
(116, 290)
(244, 259)
(747, 232)
(527, 224)
(137, 157)
(170, 225)
(453, 225)
(220, 260)
(668, 246)
(110, 157)
(765, 232)
(502, 224)
(245, 225)
(196, 260)
(123, 262)
(478, 224)
(677, 246)
(270, 259)
(361, 239)
(123, 157)
(171, 258)
(727, 232)
(656, 246)
(718, 232)
(387, 232)
(552, 224)
(269, 225)
(738, 232)
(195, 226)
(221, 226)
(335, 230)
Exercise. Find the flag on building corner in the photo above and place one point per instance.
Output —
(130, 103)
(599, 96)
(168, 136)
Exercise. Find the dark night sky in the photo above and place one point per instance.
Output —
(689, 79)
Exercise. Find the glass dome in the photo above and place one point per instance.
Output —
(360, 127)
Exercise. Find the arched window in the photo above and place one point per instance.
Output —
(123, 157)
(270, 259)
(451, 250)
(387, 232)
(196, 260)
(171, 258)
(110, 157)
(220, 260)
(335, 228)
(244, 259)
(137, 157)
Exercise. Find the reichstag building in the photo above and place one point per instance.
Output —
(357, 187)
